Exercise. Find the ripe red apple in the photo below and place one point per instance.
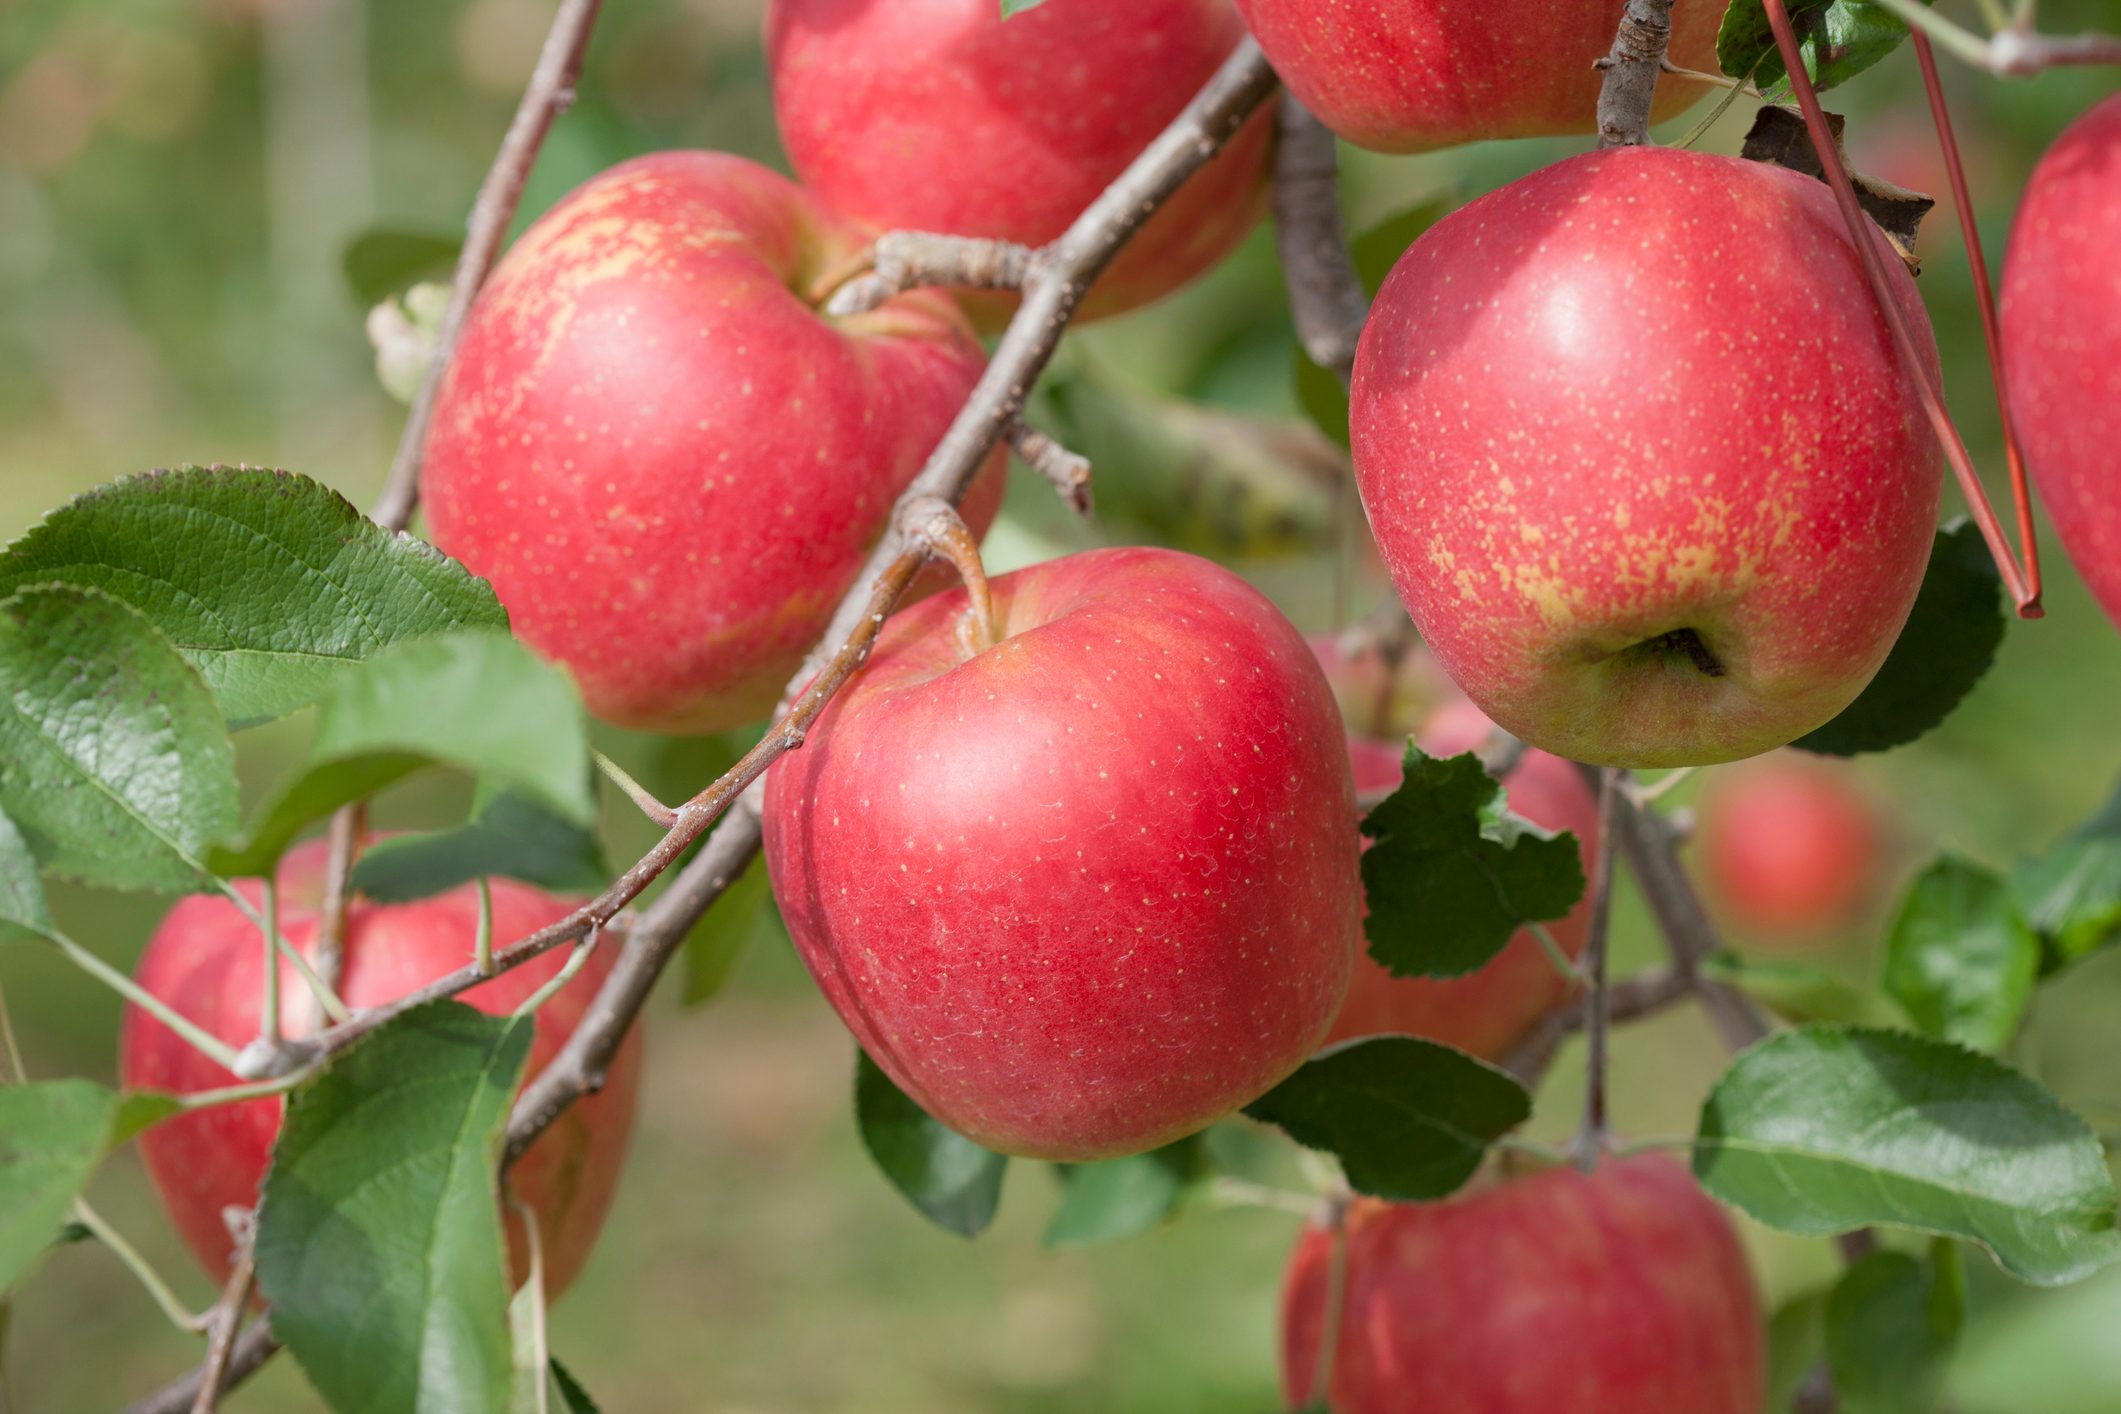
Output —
(2062, 342)
(1642, 458)
(206, 960)
(939, 115)
(1086, 890)
(1378, 698)
(1413, 75)
(1623, 1291)
(1488, 1011)
(665, 459)
(1791, 848)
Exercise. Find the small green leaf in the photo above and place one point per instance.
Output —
(953, 1181)
(52, 1134)
(573, 1398)
(381, 262)
(2072, 894)
(1826, 1129)
(432, 700)
(512, 838)
(1950, 638)
(715, 944)
(1122, 1197)
(1959, 957)
(1798, 991)
(1410, 1120)
(379, 1238)
(2052, 1353)
(1838, 38)
(23, 911)
(1796, 1341)
(1453, 874)
(113, 759)
(1891, 1323)
(270, 584)
(1012, 8)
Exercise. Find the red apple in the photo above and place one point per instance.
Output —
(1488, 1011)
(939, 115)
(206, 960)
(1791, 848)
(2062, 342)
(1413, 75)
(1379, 698)
(1642, 458)
(1623, 1291)
(665, 459)
(1086, 890)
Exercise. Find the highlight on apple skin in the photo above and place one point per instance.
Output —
(2061, 315)
(667, 462)
(1086, 890)
(205, 961)
(1621, 1291)
(1416, 75)
(1647, 512)
(940, 115)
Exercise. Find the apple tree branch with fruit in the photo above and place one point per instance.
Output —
(1102, 862)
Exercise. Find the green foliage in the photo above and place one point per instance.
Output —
(1409, 1120)
(1373, 254)
(23, 911)
(113, 759)
(431, 701)
(1122, 1197)
(1012, 8)
(1959, 957)
(271, 584)
(1838, 38)
(512, 838)
(743, 912)
(955, 1183)
(2072, 894)
(2054, 1353)
(1796, 1341)
(52, 1135)
(1800, 992)
(1948, 643)
(378, 263)
(1826, 1129)
(1453, 874)
(1891, 1323)
(379, 1238)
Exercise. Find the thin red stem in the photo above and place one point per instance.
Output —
(2024, 592)
(1977, 260)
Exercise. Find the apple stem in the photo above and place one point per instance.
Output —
(2024, 588)
(1595, 1134)
(184, 1320)
(1631, 70)
(658, 813)
(933, 527)
(1069, 472)
(1335, 1221)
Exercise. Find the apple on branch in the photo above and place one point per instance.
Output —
(1083, 880)
(1642, 457)
(1791, 849)
(667, 461)
(206, 960)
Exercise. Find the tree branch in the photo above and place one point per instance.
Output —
(1058, 276)
(1631, 70)
(1592, 1137)
(2014, 52)
(1326, 296)
(910, 260)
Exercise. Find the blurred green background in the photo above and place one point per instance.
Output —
(177, 181)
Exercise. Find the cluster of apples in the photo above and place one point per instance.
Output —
(1635, 444)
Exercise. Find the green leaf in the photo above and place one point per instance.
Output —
(1838, 38)
(512, 838)
(23, 912)
(434, 701)
(1796, 1341)
(953, 1181)
(1012, 8)
(1949, 641)
(1798, 991)
(1121, 1197)
(1959, 957)
(1410, 1120)
(1826, 1129)
(1373, 254)
(2054, 1353)
(379, 1238)
(113, 759)
(2072, 893)
(52, 1134)
(1453, 874)
(1891, 1323)
(717, 941)
(573, 1398)
(381, 262)
(271, 584)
